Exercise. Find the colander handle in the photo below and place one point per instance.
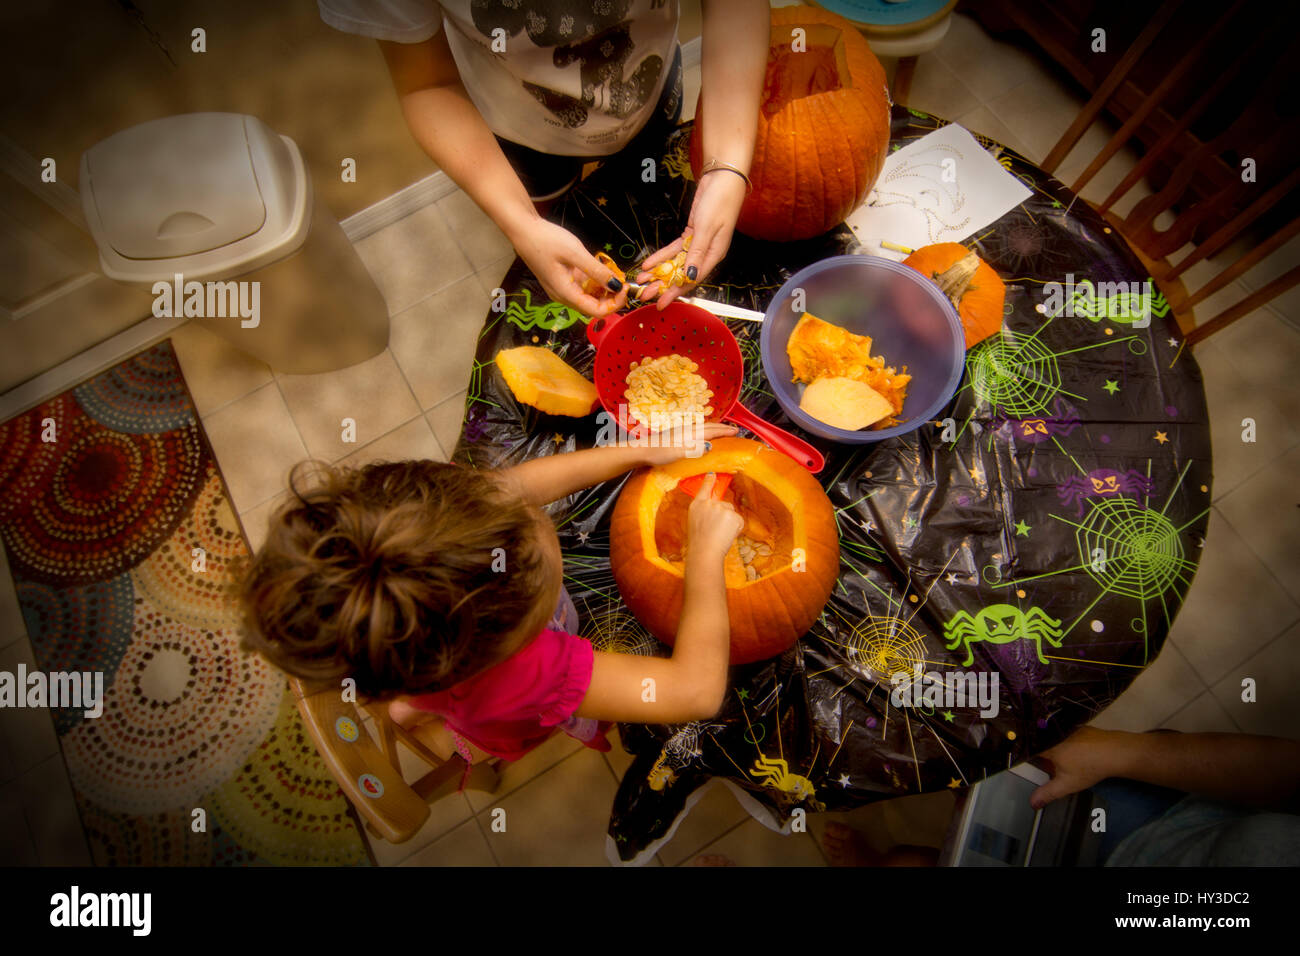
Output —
(798, 449)
(597, 329)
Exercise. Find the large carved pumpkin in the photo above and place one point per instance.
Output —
(823, 129)
(789, 524)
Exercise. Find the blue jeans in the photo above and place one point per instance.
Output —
(1130, 805)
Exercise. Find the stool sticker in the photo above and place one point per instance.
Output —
(371, 785)
(347, 728)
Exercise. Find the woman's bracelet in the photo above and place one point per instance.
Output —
(714, 165)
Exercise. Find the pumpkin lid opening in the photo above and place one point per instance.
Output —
(821, 67)
(763, 546)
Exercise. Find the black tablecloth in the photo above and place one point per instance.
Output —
(1048, 533)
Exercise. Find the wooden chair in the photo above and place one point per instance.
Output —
(1259, 131)
(371, 776)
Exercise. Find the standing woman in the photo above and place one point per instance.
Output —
(512, 97)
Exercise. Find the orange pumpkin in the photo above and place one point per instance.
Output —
(789, 524)
(975, 290)
(823, 128)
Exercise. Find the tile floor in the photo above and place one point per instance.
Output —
(436, 269)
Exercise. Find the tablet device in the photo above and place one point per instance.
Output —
(997, 826)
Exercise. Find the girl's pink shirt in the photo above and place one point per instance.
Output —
(509, 709)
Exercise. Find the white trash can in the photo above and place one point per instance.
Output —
(214, 212)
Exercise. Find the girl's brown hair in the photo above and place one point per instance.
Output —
(389, 574)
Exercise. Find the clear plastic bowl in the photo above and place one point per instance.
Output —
(911, 323)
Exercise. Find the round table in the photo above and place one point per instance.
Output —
(1040, 535)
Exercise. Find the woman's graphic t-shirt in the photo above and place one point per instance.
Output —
(567, 77)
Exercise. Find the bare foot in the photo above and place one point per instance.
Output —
(714, 859)
(845, 846)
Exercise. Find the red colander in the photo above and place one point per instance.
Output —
(699, 335)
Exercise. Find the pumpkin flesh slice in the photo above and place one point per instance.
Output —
(817, 349)
(844, 403)
(540, 378)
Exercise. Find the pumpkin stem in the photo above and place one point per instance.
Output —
(955, 281)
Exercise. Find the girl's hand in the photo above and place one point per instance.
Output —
(711, 525)
(712, 221)
(686, 442)
(560, 262)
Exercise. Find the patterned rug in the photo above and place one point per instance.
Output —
(124, 551)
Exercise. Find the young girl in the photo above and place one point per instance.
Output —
(439, 588)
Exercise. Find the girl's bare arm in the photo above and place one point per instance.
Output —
(692, 683)
(550, 478)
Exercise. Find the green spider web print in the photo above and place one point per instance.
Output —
(1019, 378)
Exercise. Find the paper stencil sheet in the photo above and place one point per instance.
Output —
(944, 187)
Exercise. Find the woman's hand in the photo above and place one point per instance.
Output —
(712, 221)
(685, 442)
(560, 262)
(711, 525)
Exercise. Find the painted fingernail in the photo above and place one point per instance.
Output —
(708, 446)
(692, 273)
(614, 285)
